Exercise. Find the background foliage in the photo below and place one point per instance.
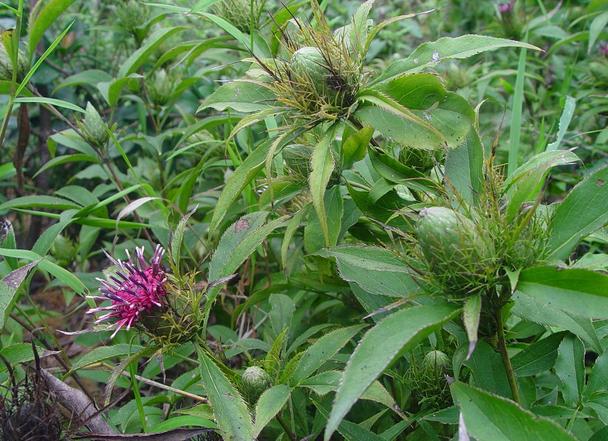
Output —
(381, 221)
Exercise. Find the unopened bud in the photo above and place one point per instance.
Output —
(93, 127)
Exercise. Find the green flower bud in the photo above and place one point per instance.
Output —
(63, 250)
(459, 259)
(6, 65)
(255, 381)
(308, 62)
(131, 14)
(93, 127)
(161, 87)
(436, 361)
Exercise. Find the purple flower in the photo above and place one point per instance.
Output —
(603, 48)
(507, 7)
(137, 288)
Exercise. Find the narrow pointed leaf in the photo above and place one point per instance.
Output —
(380, 346)
(229, 408)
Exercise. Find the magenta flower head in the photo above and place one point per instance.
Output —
(506, 7)
(137, 289)
(603, 48)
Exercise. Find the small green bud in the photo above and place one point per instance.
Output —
(255, 381)
(444, 234)
(161, 87)
(6, 65)
(93, 127)
(297, 157)
(63, 250)
(131, 14)
(436, 361)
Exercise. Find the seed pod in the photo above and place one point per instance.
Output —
(93, 127)
(255, 381)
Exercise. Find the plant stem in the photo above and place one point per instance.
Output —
(286, 428)
(502, 347)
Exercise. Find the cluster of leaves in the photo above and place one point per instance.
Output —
(380, 224)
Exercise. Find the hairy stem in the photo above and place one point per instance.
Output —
(502, 347)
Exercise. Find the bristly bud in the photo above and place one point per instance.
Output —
(161, 87)
(93, 127)
(436, 361)
(255, 381)
(136, 290)
(240, 13)
(131, 14)
(6, 64)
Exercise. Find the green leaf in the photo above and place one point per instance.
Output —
(178, 237)
(577, 291)
(516, 112)
(464, 168)
(492, 418)
(44, 15)
(580, 214)
(595, 29)
(529, 308)
(564, 122)
(471, 313)
(28, 76)
(355, 146)
(526, 183)
(269, 405)
(597, 379)
(88, 77)
(239, 36)
(322, 351)
(141, 55)
(322, 165)
(66, 159)
(445, 125)
(41, 201)
(376, 270)
(104, 353)
(538, 357)
(379, 347)
(238, 242)
(55, 270)
(488, 370)
(229, 408)
(50, 101)
(242, 96)
(570, 368)
(9, 286)
(447, 48)
(414, 91)
(237, 182)
(18, 353)
(111, 90)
